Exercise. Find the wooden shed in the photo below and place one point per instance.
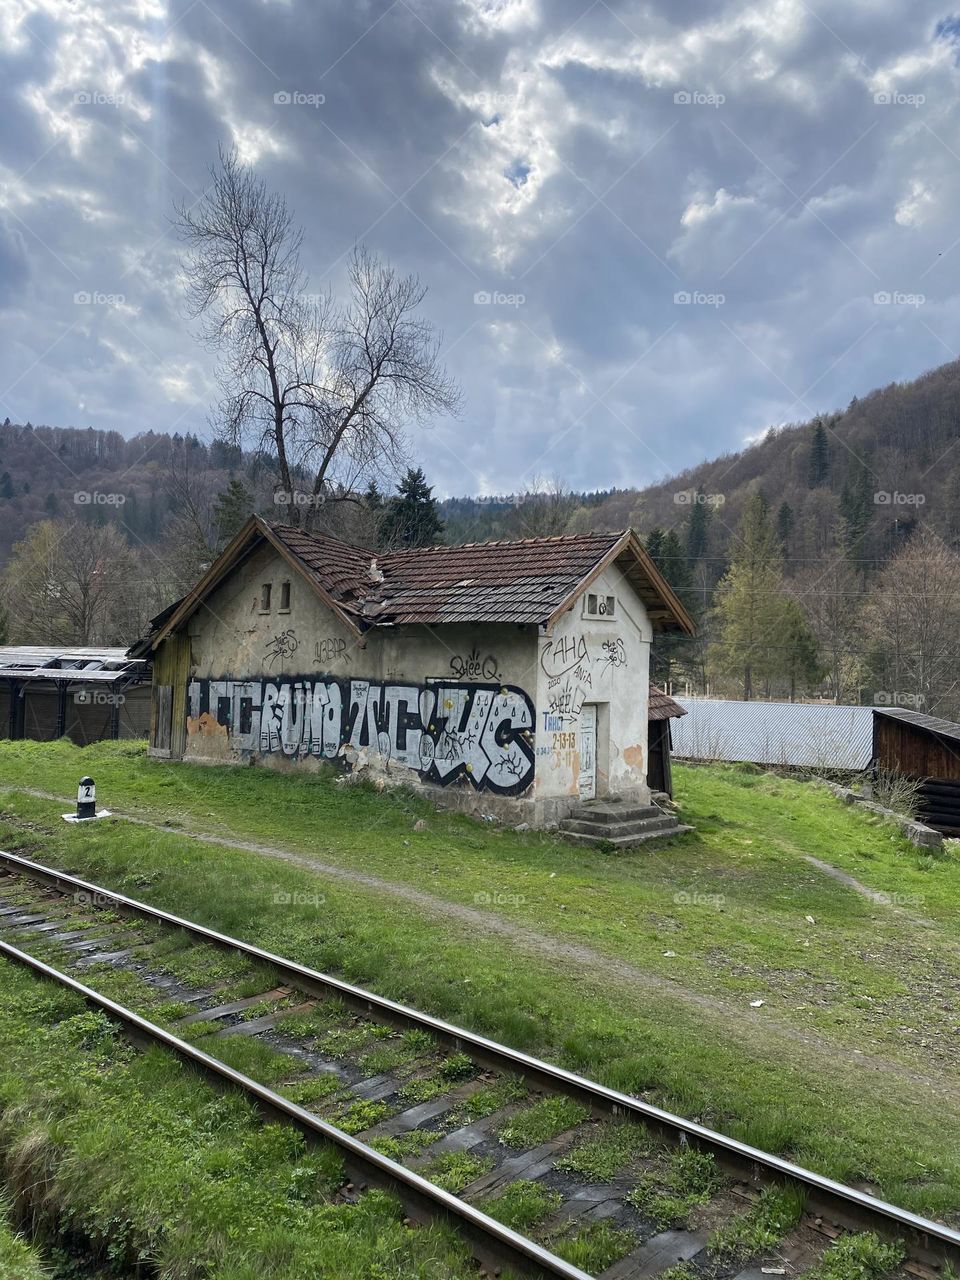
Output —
(83, 694)
(662, 709)
(927, 750)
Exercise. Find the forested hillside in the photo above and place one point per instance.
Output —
(821, 561)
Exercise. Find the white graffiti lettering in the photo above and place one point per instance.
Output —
(482, 733)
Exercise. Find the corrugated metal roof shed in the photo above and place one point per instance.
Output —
(787, 733)
(93, 665)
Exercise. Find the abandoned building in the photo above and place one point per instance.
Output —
(82, 694)
(511, 677)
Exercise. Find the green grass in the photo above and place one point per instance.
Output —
(406, 1145)
(595, 1247)
(608, 1150)
(777, 1211)
(455, 1170)
(523, 1205)
(18, 1261)
(860, 987)
(858, 1257)
(132, 1153)
(668, 1197)
(541, 1122)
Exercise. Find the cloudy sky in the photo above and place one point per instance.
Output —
(693, 218)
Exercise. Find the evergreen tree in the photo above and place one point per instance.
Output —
(818, 472)
(51, 504)
(412, 518)
(231, 509)
(672, 651)
(698, 527)
(654, 546)
(748, 610)
(6, 485)
(800, 661)
(785, 522)
(856, 512)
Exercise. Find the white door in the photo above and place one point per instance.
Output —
(588, 752)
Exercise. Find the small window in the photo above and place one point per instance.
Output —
(265, 592)
(596, 606)
(284, 597)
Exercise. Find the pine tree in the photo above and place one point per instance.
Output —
(672, 651)
(654, 546)
(749, 603)
(800, 660)
(856, 512)
(818, 472)
(785, 522)
(231, 509)
(412, 518)
(6, 485)
(698, 527)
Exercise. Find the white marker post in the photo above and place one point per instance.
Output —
(86, 804)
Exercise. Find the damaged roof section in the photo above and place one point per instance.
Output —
(93, 666)
(533, 580)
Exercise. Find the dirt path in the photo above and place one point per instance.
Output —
(751, 1024)
(875, 895)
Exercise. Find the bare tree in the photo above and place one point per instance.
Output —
(325, 387)
(73, 582)
(912, 618)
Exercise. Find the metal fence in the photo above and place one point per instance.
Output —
(777, 733)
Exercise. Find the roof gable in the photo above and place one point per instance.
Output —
(533, 580)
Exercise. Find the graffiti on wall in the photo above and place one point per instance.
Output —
(483, 733)
(570, 666)
(474, 667)
(283, 645)
(330, 649)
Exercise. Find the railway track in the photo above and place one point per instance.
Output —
(528, 1161)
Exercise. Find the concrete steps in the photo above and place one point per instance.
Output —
(622, 825)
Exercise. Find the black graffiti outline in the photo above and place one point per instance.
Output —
(361, 721)
(282, 645)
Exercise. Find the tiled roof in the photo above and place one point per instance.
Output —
(343, 571)
(662, 707)
(524, 581)
(529, 581)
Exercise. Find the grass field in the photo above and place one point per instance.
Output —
(643, 969)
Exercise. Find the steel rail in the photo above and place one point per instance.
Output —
(492, 1243)
(933, 1242)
